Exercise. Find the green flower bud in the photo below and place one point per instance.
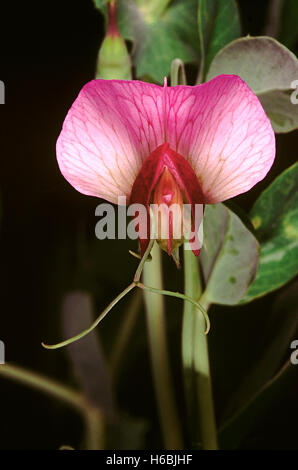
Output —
(113, 59)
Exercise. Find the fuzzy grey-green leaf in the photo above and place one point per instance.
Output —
(229, 256)
(281, 110)
(262, 62)
(269, 69)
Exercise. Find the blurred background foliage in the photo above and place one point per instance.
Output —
(49, 250)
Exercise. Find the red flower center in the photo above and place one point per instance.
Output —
(168, 180)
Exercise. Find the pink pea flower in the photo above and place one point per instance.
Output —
(183, 144)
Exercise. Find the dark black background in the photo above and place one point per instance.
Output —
(47, 52)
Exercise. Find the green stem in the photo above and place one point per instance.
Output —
(192, 285)
(178, 296)
(94, 422)
(156, 324)
(114, 302)
(178, 76)
(94, 429)
(43, 384)
(195, 356)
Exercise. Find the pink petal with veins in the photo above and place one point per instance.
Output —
(111, 128)
(223, 131)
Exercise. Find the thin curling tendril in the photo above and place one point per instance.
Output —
(136, 283)
(131, 286)
(179, 296)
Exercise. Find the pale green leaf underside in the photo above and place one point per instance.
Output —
(269, 69)
(282, 112)
(229, 256)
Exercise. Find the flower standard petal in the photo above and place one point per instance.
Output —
(111, 128)
(223, 131)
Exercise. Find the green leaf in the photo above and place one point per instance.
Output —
(275, 218)
(269, 69)
(219, 24)
(229, 256)
(262, 62)
(99, 3)
(157, 50)
(282, 113)
(281, 329)
(159, 34)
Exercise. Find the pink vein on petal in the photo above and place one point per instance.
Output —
(221, 128)
(108, 132)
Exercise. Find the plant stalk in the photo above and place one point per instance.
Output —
(156, 325)
(93, 417)
(197, 377)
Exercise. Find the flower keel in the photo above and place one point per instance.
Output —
(167, 180)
